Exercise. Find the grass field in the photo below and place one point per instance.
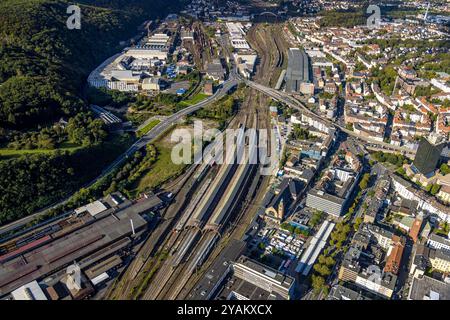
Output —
(147, 127)
(194, 100)
(114, 142)
(162, 170)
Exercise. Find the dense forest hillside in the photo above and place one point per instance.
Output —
(43, 69)
(31, 182)
(43, 63)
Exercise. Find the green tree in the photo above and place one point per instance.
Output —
(318, 283)
(435, 189)
(322, 269)
(364, 181)
(358, 222)
(444, 169)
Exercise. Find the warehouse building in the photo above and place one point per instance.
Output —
(102, 233)
(298, 73)
(148, 52)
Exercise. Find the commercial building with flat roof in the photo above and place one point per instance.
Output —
(148, 52)
(332, 192)
(257, 277)
(93, 208)
(298, 70)
(427, 288)
(339, 292)
(239, 289)
(152, 83)
(320, 200)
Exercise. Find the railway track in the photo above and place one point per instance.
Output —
(280, 52)
(129, 279)
(246, 213)
(266, 41)
(174, 283)
(183, 246)
(240, 222)
(133, 276)
(188, 249)
(181, 274)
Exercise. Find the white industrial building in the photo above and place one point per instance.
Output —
(29, 291)
(92, 208)
(128, 71)
(240, 44)
(153, 84)
(235, 30)
(147, 53)
(245, 60)
(126, 76)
